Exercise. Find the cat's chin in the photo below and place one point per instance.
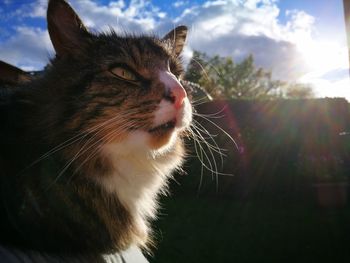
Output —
(162, 140)
(163, 128)
(163, 134)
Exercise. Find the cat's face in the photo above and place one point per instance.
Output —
(130, 92)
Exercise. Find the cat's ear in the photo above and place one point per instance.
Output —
(67, 32)
(177, 38)
(12, 75)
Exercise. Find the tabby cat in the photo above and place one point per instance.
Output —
(87, 147)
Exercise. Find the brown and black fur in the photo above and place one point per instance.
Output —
(11, 76)
(43, 208)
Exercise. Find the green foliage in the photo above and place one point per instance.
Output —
(223, 78)
(195, 68)
(299, 91)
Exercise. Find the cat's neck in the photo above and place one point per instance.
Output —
(137, 177)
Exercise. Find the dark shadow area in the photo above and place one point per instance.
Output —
(285, 199)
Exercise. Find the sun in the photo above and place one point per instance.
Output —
(322, 60)
(324, 56)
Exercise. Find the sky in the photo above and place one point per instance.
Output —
(298, 40)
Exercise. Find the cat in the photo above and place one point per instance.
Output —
(87, 147)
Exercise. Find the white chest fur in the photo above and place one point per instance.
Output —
(140, 174)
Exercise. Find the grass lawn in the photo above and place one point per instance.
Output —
(216, 229)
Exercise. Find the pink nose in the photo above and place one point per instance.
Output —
(179, 94)
(174, 90)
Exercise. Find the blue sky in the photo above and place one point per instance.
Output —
(298, 40)
(328, 14)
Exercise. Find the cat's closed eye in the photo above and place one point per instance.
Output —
(123, 73)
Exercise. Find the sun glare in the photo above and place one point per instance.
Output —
(326, 68)
(322, 56)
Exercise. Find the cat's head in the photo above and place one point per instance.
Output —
(121, 88)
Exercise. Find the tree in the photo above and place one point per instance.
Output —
(223, 78)
(196, 68)
(299, 91)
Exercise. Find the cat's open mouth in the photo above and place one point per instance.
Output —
(164, 127)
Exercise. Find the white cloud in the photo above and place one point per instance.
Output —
(327, 88)
(239, 28)
(35, 10)
(38, 9)
(178, 4)
(137, 16)
(28, 48)
(117, 4)
(214, 3)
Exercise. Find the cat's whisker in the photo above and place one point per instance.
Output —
(74, 139)
(213, 164)
(211, 115)
(211, 65)
(199, 139)
(199, 101)
(67, 165)
(219, 150)
(82, 151)
(221, 129)
(107, 138)
(214, 147)
(57, 148)
(202, 174)
(208, 161)
(203, 158)
(208, 168)
(199, 127)
(202, 68)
